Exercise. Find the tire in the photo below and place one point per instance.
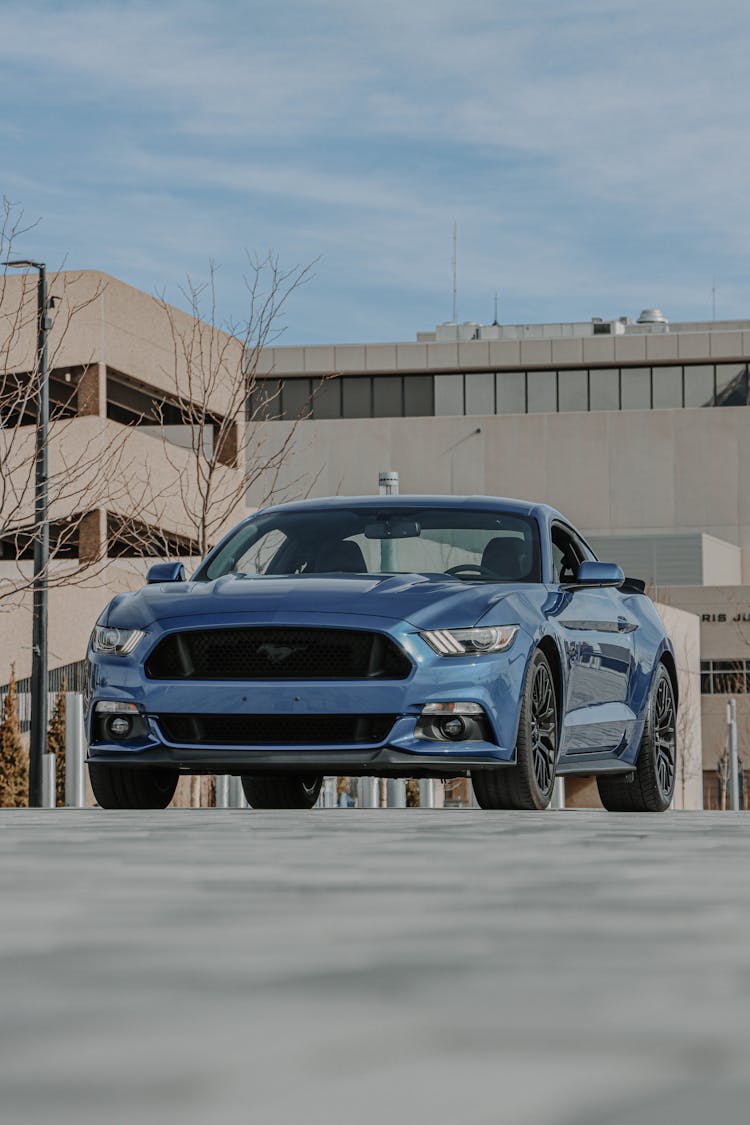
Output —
(282, 792)
(650, 787)
(119, 787)
(529, 783)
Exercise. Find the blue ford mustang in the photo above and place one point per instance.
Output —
(412, 636)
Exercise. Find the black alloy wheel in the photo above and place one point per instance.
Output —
(529, 783)
(650, 787)
(543, 728)
(282, 792)
(123, 787)
(665, 737)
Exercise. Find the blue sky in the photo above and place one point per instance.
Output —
(593, 153)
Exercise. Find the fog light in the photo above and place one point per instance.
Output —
(453, 728)
(116, 720)
(120, 727)
(453, 721)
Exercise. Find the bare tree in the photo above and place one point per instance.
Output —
(210, 417)
(210, 411)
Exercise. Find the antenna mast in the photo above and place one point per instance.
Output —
(455, 239)
(713, 298)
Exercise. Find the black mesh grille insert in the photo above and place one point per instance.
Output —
(287, 730)
(262, 653)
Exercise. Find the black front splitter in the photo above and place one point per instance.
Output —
(368, 762)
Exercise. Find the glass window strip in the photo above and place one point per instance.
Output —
(715, 378)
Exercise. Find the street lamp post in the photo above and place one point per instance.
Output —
(39, 676)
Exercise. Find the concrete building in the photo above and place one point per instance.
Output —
(123, 487)
(637, 431)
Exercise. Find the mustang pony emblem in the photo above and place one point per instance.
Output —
(277, 654)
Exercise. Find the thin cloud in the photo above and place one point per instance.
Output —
(590, 150)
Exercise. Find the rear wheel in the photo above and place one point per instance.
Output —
(118, 787)
(528, 784)
(282, 792)
(650, 787)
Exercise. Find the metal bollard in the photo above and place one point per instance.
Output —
(368, 791)
(49, 780)
(222, 791)
(396, 793)
(557, 800)
(734, 771)
(426, 793)
(75, 751)
(236, 794)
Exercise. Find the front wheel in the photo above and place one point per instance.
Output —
(650, 787)
(529, 783)
(120, 787)
(282, 792)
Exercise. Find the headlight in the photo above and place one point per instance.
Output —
(471, 642)
(115, 642)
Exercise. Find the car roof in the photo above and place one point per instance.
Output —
(506, 504)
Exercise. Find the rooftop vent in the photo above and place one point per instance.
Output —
(652, 316)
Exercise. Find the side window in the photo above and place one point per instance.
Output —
(567, 554)
(584, 550)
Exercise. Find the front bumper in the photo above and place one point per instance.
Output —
(495, 682)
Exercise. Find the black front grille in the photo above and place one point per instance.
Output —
(261, 653)
(283, 730)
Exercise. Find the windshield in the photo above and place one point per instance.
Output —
(473, 546)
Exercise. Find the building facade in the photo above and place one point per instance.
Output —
(637, 431)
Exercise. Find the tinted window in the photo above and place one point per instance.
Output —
(327, 400)
(604, 388)
(542, 392)
(511, 392)
(264, 401)
(567, 554)
(449, 394)
(480, 393)
(573, 390)
(419, 398)
(295, 398)
(667, 386)
(699, 384)
(636, 388)
(731, 384)
(387, 401)
(357, 396)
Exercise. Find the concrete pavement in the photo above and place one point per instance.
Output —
(576, 968)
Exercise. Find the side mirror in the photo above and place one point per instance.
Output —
(595, 575)
(166, 572)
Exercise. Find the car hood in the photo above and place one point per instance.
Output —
(424, 602)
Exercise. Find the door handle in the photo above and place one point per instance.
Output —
(625, 626)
